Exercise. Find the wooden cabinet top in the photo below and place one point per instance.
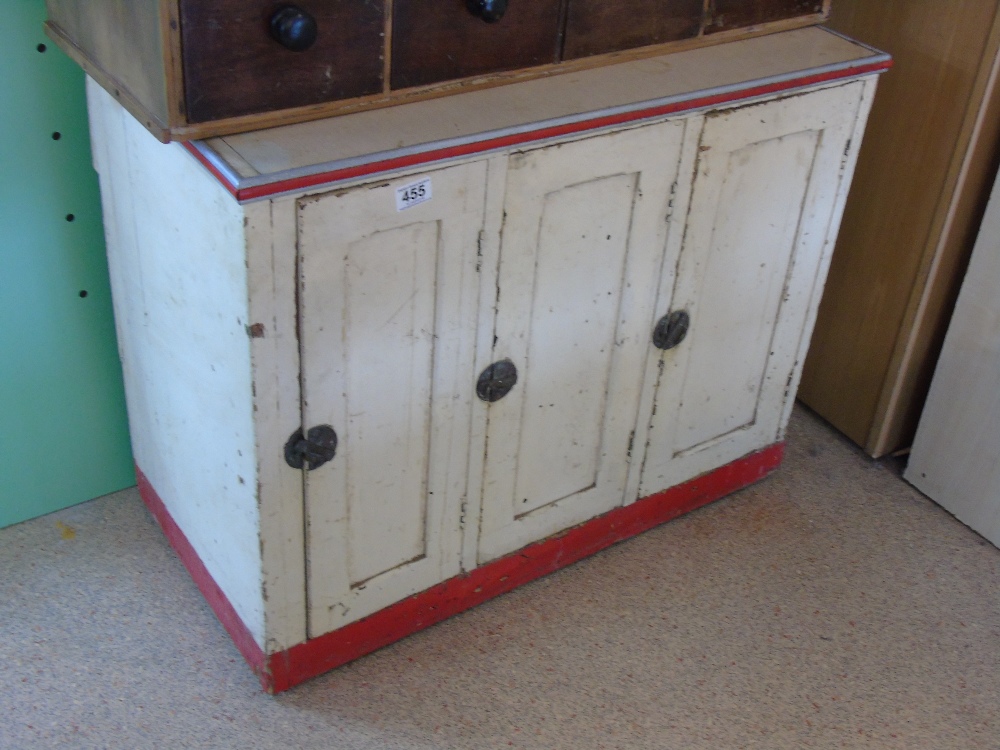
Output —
(304, 155)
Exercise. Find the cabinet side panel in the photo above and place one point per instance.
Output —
(123, 39)
(177, 254)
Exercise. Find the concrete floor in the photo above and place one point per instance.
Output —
(830, 606)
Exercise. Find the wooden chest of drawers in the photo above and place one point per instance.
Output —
(198, 68)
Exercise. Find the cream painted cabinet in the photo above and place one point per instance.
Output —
(384, 367)
(388, 321)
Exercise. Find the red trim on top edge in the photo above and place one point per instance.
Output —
(452, 152)
(214, 595)
(286, 669)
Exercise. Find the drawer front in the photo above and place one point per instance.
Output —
(735, 14)
(596, 26)
(234, 66)
(444, 40)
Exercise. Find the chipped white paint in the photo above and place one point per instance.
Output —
(179, 284)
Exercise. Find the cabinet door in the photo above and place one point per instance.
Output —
(388, 302)
(580, 253)
(760, 226)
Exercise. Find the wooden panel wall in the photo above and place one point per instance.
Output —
(922, 181)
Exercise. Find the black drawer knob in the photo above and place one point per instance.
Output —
(293, 28)
(490, 11)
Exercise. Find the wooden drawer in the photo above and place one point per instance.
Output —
(596, 26)
(442, 41)
(726, 15)
(192, 69)
(233, 66)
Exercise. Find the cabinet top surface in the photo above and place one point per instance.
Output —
(263, 163)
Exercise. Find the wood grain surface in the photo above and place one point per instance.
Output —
(233, 67)
(735, 14)
(596, 26)
(443, 41)
(922, 180)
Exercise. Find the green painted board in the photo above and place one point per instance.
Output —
(63, 429)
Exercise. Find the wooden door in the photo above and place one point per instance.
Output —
(388, 301)
(581, 247)
(956, 451)
(766, 188)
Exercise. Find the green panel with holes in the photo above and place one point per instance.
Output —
(63, 429)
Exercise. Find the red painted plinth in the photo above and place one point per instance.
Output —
(283, 670)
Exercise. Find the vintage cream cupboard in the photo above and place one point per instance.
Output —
(385, 366)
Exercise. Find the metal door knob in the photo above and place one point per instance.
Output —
(293, 28)
(313, 449)
(671, 329)
(496, 381)
(490, 11)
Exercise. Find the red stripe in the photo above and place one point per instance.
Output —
(217, 600)
(286, 669)
(463, 592)
(492, 144)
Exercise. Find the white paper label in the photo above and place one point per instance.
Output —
(413, 194)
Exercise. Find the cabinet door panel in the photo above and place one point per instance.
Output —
(759, 226)
(580, 253)
(387, 307)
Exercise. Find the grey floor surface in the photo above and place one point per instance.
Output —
(830, 606)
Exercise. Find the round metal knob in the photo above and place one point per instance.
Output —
(312, 449)
(671, 330)
(496, 381)
(293, 28)
(490, 11)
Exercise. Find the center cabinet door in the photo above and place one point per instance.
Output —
(581, 249)
(388, 298)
